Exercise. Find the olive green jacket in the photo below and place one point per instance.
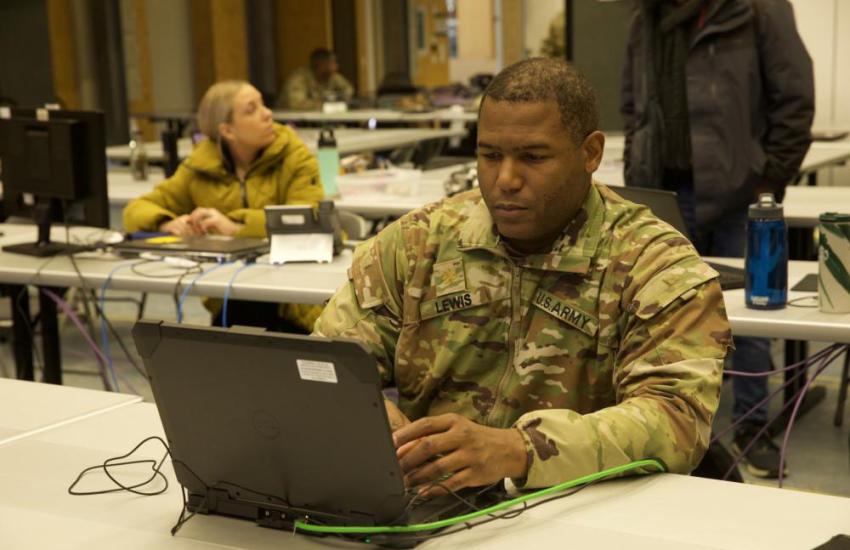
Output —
(285, 173)
(606, 349)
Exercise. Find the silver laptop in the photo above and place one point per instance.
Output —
(201, 248)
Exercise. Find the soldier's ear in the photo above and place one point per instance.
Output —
(591, 149)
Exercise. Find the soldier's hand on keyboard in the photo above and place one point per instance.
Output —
(396, 417)
(457, 453)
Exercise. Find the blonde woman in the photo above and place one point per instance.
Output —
(246, 163)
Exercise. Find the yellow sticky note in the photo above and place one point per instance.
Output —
(167, 239)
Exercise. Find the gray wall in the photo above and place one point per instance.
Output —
(599, 31)
(395, 41)
(345, 38)
(172, 68)
(25, 70)
(260, 16)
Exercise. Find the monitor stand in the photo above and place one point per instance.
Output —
(44, 247)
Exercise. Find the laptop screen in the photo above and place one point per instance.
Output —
(272, 421)
(662, 203)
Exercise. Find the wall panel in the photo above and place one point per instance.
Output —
(63, 53)
(302, 26)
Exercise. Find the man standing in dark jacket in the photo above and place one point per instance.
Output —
(718, 100)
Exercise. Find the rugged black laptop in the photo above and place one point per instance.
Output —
(201, 248)
(273, 427)
(664, 205)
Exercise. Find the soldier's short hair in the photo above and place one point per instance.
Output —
(541, 79)
(320, 55)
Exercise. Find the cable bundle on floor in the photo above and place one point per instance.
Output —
(819, 362)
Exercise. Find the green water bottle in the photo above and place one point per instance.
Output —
(328, 156)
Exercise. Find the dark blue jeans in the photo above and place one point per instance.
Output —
(727, 237)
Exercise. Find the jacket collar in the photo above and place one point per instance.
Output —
(207, 159)
(571, 252)
(723, 16)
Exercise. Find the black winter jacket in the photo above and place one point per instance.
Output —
(750, 89)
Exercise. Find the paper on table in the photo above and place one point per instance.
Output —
(302, 247)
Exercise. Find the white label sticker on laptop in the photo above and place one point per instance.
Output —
(317, 371)
(293, 219)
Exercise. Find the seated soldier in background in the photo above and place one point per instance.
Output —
(308, 88)
(540, 327)
(246, 163)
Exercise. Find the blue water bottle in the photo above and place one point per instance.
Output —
(328, 156)
(767, 255)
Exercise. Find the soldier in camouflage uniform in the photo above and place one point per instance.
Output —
(309, 87)
(541, 328)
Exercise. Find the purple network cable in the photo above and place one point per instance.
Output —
(819, 361)
(819, 369)
(66, 308)
(823, 357)
(791, 380)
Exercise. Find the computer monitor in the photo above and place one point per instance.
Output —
(54, 170)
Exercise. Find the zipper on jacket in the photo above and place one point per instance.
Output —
(713, 65)
(513, 324)
(243, 192)
(715, 28)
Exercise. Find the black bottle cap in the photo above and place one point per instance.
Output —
(326, 137)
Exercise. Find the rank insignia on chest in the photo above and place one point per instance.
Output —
(449, 277)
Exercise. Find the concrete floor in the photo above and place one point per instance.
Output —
(818, 454)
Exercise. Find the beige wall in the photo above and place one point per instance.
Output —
(511, 22)
(367, 14)
(138, 75)
(302, 26)
(63, 52)
(137, 71)
(430, 64)
(475, 38)
(537, 15)
(229, 43)
(476, 41)
(171, 54)
(84, 54)
(218, 41)
(460, 70)
(158, 67)
(824, 26)
(841, 114)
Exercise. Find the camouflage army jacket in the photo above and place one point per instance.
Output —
(303, 91)
(607, 349)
